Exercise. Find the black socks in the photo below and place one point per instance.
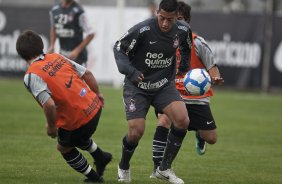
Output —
(159, 144)
(127, 152)
(174, 141)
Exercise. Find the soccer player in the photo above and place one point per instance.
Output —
(201, 119)
(68, 23)
(146, 56)
(71, 106)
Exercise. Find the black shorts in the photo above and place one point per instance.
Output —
(81, 136)
(200, 117)
(137, 102)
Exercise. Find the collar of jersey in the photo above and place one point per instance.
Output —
(40, 57)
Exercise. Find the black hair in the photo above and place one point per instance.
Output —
(168, 5)
(185, 10)
(29, 45)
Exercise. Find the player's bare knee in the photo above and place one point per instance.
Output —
(211, 140)
(182, 123)
(135, 135)
(166, 124)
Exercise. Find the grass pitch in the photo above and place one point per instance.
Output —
(248, 150)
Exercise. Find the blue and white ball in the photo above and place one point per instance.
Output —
(197, 82)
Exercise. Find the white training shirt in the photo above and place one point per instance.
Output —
(205, 54)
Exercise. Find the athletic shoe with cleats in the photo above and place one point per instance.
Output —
(101, 164)
(123, 175)
(200, 144)
(153, 175)
(169, 176)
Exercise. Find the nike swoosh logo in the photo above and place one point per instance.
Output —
(209, 122)
(166, 177)
(68, 85)
(152, 42)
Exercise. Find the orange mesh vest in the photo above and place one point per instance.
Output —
(75, 103)
(195, 62)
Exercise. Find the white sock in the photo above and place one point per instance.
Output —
(93, 147)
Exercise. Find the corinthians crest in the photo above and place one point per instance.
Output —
(132, 107)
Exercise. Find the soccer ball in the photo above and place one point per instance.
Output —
(197, 82)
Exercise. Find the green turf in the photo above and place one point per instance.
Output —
(248, 151)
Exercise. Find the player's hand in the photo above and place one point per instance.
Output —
(136, 77)
(217, 80)
(140, 77)
(51, 131)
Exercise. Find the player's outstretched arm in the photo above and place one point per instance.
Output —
(123, 49)
(52, 40)
(206, 55)
(185, 52)
(215, 76)
(90, 80)
(88, 31)
(75, 52)
(49, 108)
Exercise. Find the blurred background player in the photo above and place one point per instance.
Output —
(69, 24)
(146, 56)
(72, 107)
(201, 119)
(153, 6)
